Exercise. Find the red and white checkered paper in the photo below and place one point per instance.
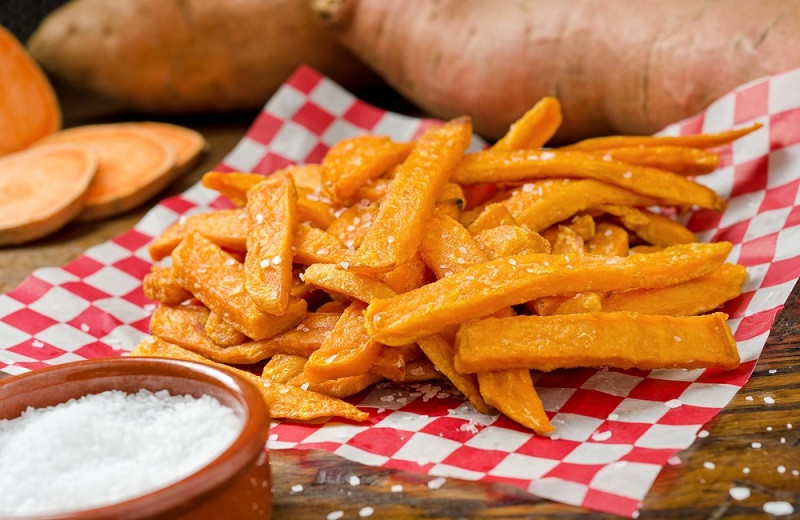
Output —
(614, 431)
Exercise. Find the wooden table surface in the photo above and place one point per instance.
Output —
(687, 490)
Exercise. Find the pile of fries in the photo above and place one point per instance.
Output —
(415, 261)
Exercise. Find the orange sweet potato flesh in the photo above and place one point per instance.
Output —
(653, 71)
(534, 128)
(492, 215)
(397, 229)
(42, 189)
(217, 279)
(283, 367)
(610, 240)
(272, 210)
(441, 354)
(522, 165)
(347, 351)
(133, 165)
(337, 388)
(160, 284)
(511, 391)
(650, 227)
(542, 204)
(696, 296)
(510, 240)
(447, 247)
(335, 279)
(233, 185)
(351, 163)
(221, 332)
(29, 109)
(676, 159)
(189, 145)
(284, 401)
(485, 288)
(389, 363)
(618, 339)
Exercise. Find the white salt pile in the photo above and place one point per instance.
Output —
(107, 447)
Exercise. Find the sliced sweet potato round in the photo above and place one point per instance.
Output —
(42, 189)
(28, 106)
(133, 165)
(189, 144)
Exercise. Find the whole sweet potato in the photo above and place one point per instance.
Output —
(188, 55)
(617, 66)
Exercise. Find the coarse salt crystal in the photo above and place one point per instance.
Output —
(67, 436)
(390, 239)
(748, 398)
(613, 416)
(601, 436)
(302, 277)
(755, 445)
(739, 493)
(259, 218)
(264, 263)
(674, 460)
(781, 469)
(673, 403)
(345, 265)
(276, 260)
(397, 488)
(354, 480)
(335, 515)
(84, 327)
(778, 508)
(38, 344)
(365, 512)
(709, 465)
(304, 386)
(677, 338)
(297, 488)
(702, 434)
(772, 371)
(627, 175)
(745, 470)
(436, 483)
(769, 400)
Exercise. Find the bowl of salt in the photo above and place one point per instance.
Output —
(133, 438)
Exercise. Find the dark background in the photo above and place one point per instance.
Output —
(22, 16)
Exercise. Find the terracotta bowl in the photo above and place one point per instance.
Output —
(237, 484)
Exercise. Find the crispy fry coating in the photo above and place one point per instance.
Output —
(534, 128)
(159, 284)
(511, 391)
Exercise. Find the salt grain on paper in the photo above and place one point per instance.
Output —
(601, 436)
(674, 460)
(436, 483)
(739, 493)
(702, 434)
(778, 508)
(673, 403)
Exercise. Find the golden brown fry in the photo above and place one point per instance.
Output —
(283, 367)
(233, 185)
(159, 284)
(511, 392)
(676, 159)
(405, 277)
(696, 296)
(313, 245)
(221, 332)
(398, 227)
(441, 354)
(610, 240)
(352, 224)
(567, 241)
(485, 288)
(568, 304)
(526, 165)
(618, 339)
(347, 351)
(420, 370)
(644, 249)
(508, 240)
(389, 363)
(542, 204)
(351, 163)
(227, 228)
(650, 227)
(272, 210)
(332, 306)
(283, 401)
(491, 216)
(333, 278)
(534, 128)
(689, 141)
(217, 279)
(307, 177)
(337, 388)
(315, 209)
(447, 246)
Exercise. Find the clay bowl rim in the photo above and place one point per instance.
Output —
(245, 448)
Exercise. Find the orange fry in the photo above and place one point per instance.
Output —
(566, 240)
(353, 162)
(618, 339)
(508, 240)
(283, 401)
(650, 227)
(696, 296)
(610, 240)
(676, 159)
(397, 229)
(352, 224)
(227, 228)
(313, 245)
(221, 332)
(283, 367)
(217, 279)
(526, 165)
(491, 216)
(233, 185)
(389, 363)
(359, 286)
(690, 141)
(447, 246)
(347, 351)
(159, 284)
(337, 388)
(540, 205)
(534, 128)
(511, 391)
(315, 209)
(485, 288)
(440, 352)
(272, 210)
(405, 277)
(568, 304)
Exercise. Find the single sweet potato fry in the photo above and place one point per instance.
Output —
(534, 128)
(610, 240)
(618, 339)
(332, 306)
(447, 246)
(696, 296)
(352, 224)
(511, 392)
(336, 388)
(644, 249)
(689, 141)
(217, 279)
(485, 288)
(676, 159)
(316, 209)
(440, 352)
(650, 227)
(405, 277)
(283, 401)
(526, 165)
(233, 185)
(353, 162)
(508, 240)
(542, 204)
(283, 367)
(313, 245)
(41, 189)
(389, 363)
(567, 241)
(588, 301)
(491, 216)
(420, 370)
(227, 228)
(333, 278)
(398, 227)
(159, 284)
(347, 351)
(221, 332)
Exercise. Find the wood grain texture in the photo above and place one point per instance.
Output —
(687, 490)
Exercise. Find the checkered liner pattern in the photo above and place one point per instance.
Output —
(615, 429)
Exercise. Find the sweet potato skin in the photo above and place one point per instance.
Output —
(616, 66)
(178, 56)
